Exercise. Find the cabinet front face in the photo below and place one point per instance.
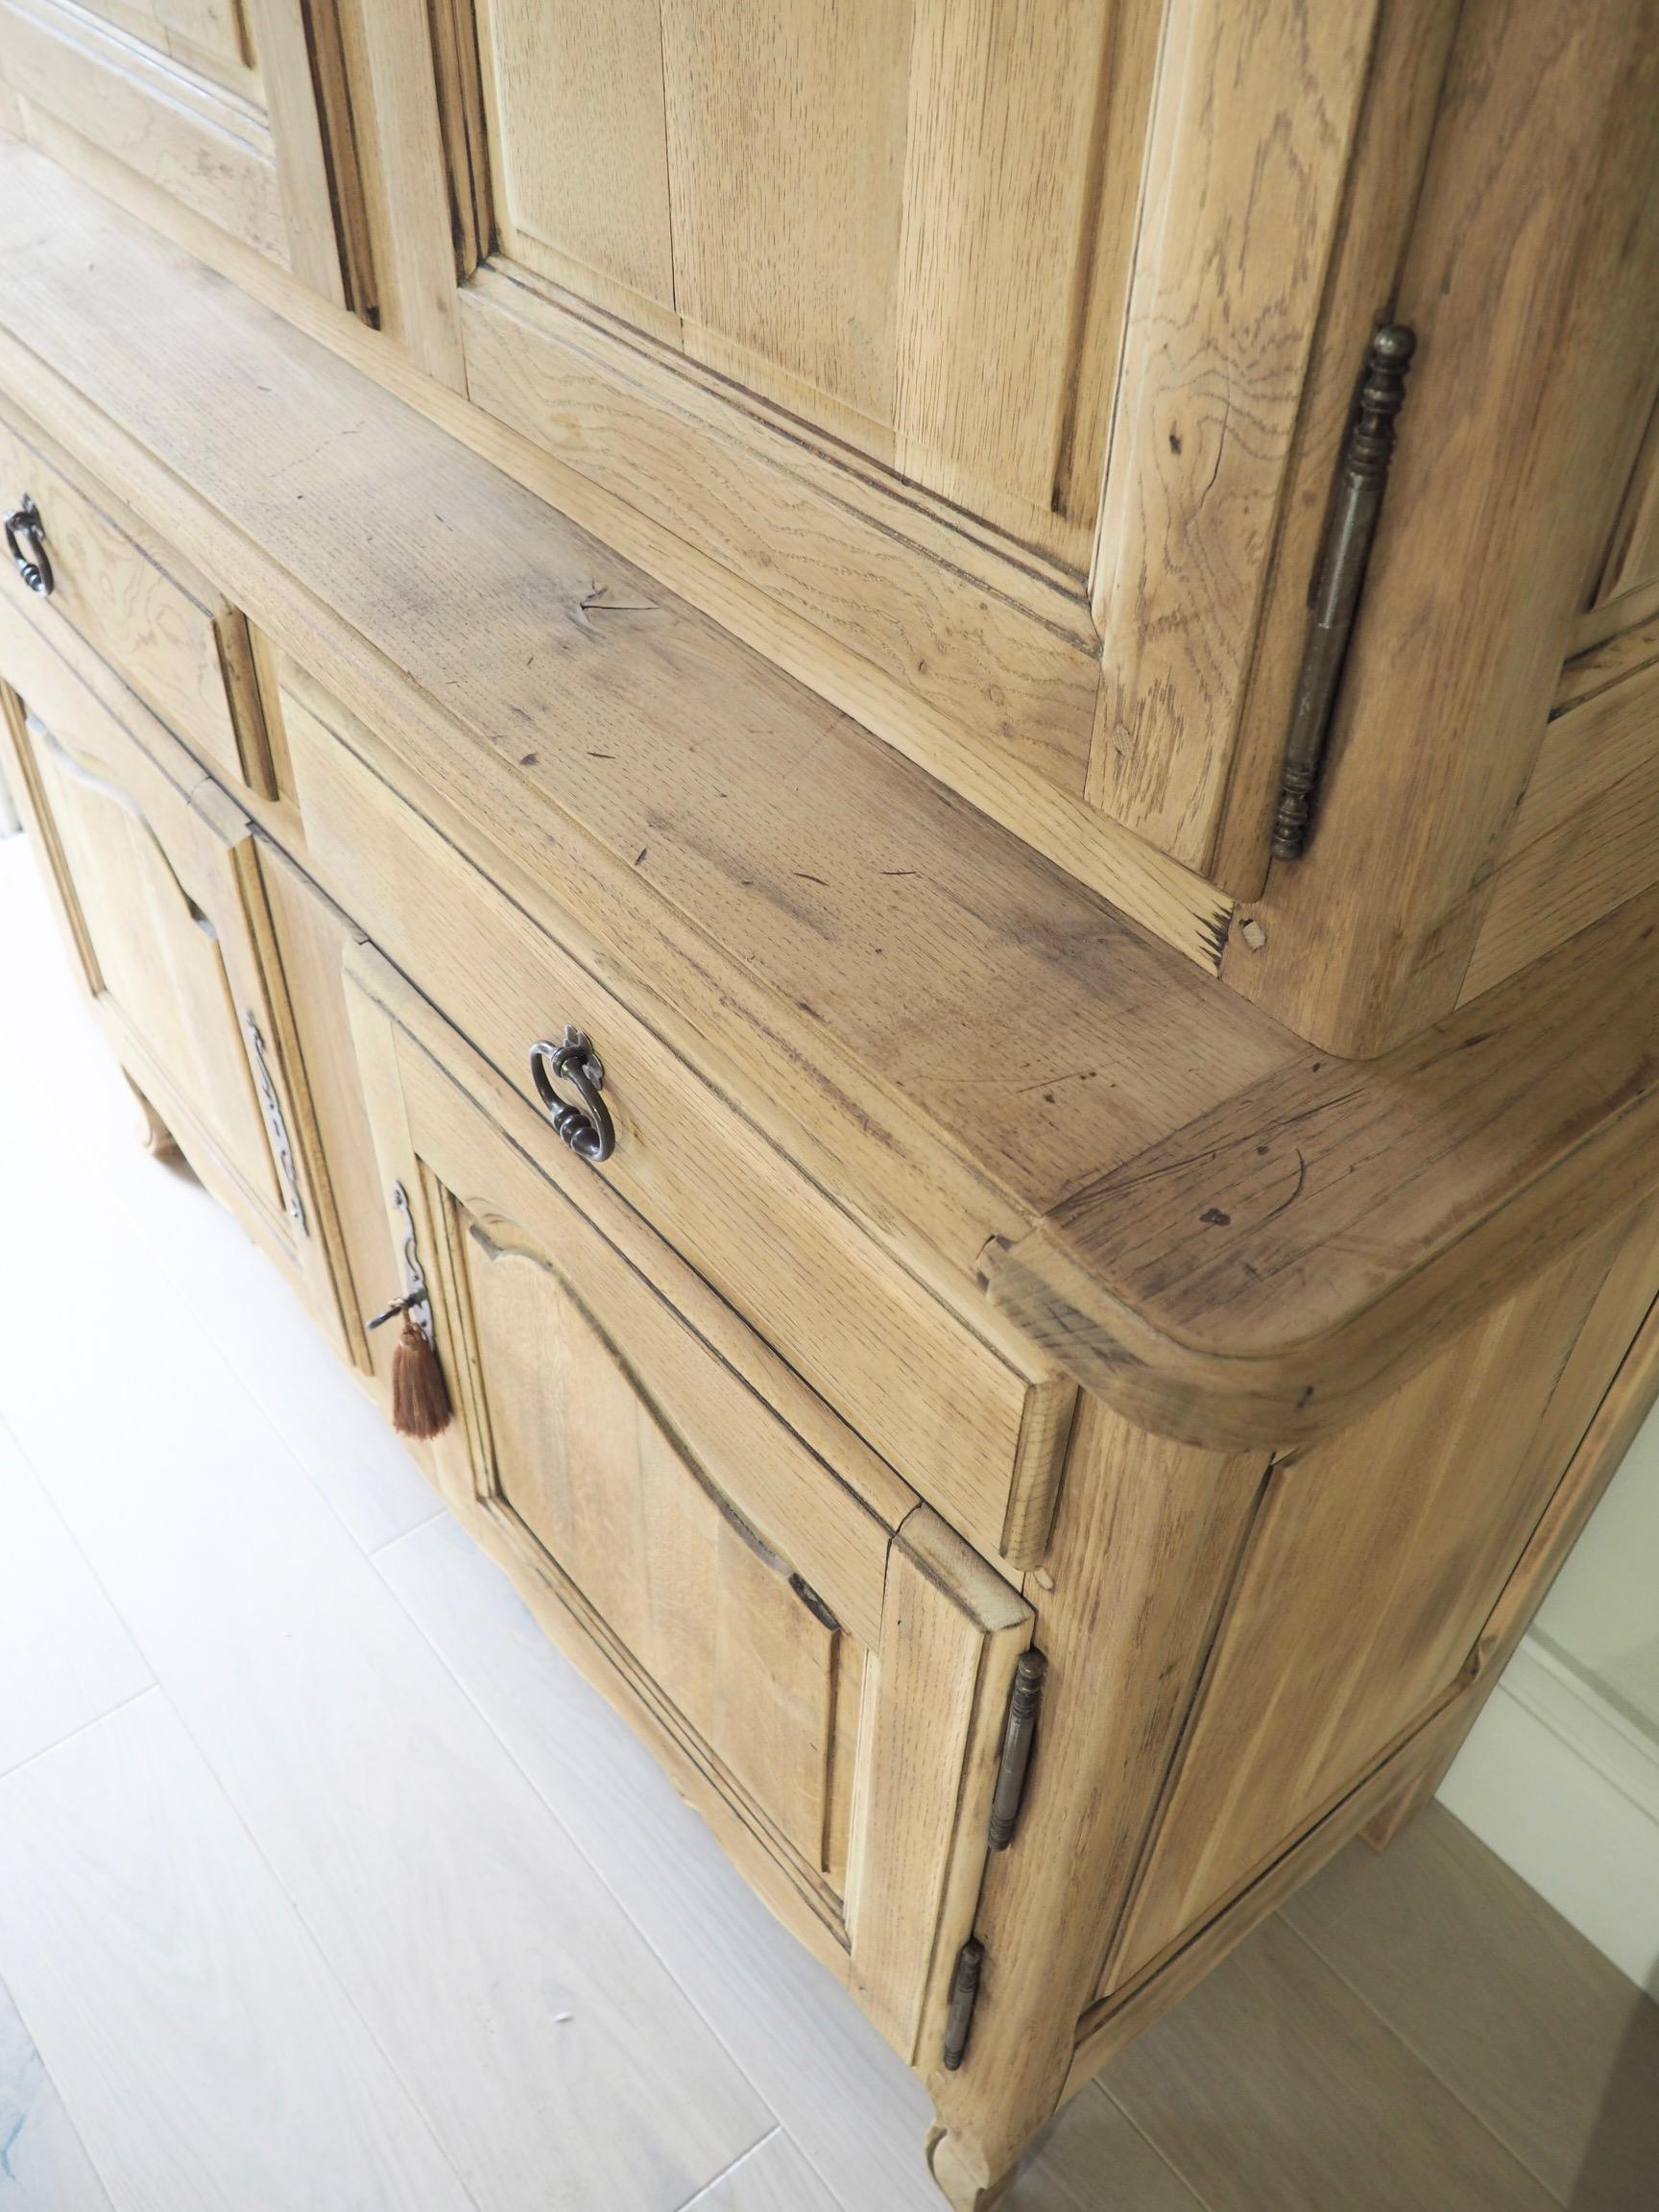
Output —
(216, 102)
(825, 1685)
(161, 898)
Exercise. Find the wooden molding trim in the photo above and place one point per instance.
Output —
(1278, 1265)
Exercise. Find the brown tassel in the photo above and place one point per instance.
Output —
(419, 1401)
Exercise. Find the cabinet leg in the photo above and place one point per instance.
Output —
(154, 1134)
(964, 2186)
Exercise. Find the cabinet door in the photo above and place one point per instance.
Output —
(217, 102)
(955, 353)
(159, 895)
(820, 1663)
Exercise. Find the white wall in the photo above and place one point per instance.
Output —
(1561, 1774)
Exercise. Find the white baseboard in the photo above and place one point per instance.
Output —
(1564, 1788)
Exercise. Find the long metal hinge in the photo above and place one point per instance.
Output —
(964, 1996)
(1361, 473)
(1019, 1739)
(275, 1126)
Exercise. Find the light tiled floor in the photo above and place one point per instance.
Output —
(326, 1883)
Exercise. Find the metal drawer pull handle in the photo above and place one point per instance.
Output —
(588, 1128)
(26, 543)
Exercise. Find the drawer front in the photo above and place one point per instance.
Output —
(137, 604)
(979, 1434)
(159, 890)
(820, 1661)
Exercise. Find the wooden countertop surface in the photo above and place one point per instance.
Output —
(1231, 1236)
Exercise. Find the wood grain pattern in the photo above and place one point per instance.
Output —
(979, 1426)
(1629, 1398)
(814, 2057)
(1493, 522)
(1633, 556)
(1410, 49)
(1287, 1259)
(943, 1630)
(952, 1631)
(1171, 902)
(598, 1471)
(999, 651)
(1145, 1545)
(1273, 2014)
(315, 181)
(209, 149)
(400, 173)
(998, 977)
(786, 124)
(160, 899)
(1023, 151)
(133, 600)
(1511, 2008)
(1108, 2028)
(578, 148)
(1256, 113)
(832, 1526)
(1362, 1603)
(358, 1769)
(1586, 832)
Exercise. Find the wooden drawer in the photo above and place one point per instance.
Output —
(824, 1665)
(135, 602)
(977, 1431)
(157, 881)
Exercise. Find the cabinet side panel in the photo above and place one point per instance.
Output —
(1376, 1562)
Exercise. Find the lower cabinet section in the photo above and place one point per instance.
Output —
(764, 1487)
(159, 892)
(826, 1666)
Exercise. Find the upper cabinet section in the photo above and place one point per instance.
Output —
(955, 353)
(999, 371)
(217, 103)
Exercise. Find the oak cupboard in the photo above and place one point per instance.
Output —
(795, 617)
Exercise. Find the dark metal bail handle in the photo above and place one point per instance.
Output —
(586, 1127)
(26, 543)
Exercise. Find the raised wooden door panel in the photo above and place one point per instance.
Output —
(922, 343)
(823, 1665)
(1374, 1565)
(160, 893)
(221, 103)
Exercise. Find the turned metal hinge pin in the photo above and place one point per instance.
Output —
(1019, 1738)
(964, 1996)
(1361, 473)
